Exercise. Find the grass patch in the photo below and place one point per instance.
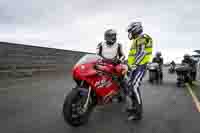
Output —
(196, 88)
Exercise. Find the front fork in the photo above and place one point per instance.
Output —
(85, 107)
(85, 91)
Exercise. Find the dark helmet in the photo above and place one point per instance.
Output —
(134, 29)
(186, 56)
(158, 54)
(110, 36)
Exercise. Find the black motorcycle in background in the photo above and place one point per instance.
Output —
(171, 69)
(184, 75)
(155, 73)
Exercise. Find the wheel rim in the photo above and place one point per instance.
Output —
(77, 107)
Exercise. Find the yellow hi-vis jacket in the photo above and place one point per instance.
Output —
(141, 50)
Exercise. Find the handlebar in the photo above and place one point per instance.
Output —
(111, 61)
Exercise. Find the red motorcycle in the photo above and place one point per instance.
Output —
(97, 83)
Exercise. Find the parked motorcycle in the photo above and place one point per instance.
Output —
(171, 69)
(154, 73)
(97, 83)
(183, 75)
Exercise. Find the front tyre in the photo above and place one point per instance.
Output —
(73, 111)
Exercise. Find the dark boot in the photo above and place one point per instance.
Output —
(134, 109)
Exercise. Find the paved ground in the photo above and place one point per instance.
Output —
(34, 104)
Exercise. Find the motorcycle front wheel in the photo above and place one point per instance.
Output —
(73, 110)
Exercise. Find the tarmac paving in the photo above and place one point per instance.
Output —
(34, 105)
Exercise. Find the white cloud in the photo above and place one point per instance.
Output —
(77, 25)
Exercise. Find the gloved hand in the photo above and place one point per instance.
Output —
(133, 67)
(116, 61)
(123, 61)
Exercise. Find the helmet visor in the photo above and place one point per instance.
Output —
(111, 38)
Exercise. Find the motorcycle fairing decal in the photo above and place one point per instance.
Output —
(103, 83)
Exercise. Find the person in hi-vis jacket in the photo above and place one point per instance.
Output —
(139, 56)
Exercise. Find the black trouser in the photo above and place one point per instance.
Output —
(160, 73)
(134, 85)
(193, 75)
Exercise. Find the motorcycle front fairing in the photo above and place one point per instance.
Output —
(82, 71)
(100, 82)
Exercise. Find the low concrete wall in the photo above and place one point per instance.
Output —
(23, 59)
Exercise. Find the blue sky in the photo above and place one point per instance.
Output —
(79, 25)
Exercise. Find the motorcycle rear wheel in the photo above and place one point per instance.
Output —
(152, 76)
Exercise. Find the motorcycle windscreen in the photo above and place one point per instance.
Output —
(85, 66)
(88, 58)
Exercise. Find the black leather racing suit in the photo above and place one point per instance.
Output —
(192, 64)
(159, 60)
